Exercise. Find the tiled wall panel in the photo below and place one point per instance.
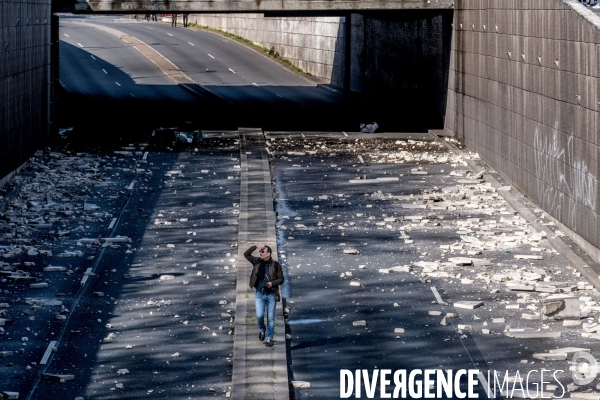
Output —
(24, 65)
(527, 74)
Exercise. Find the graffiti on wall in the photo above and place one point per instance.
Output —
(563, 180)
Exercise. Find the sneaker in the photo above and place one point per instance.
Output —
(261, 335)
(269, 343)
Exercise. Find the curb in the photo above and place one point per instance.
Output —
(241, 386)
(561, 247)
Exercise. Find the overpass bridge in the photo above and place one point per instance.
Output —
(244, 6)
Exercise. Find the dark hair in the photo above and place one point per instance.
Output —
(268, 249)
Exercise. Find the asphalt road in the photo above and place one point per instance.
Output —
(159, 306)
(323, 303)
(246, 88)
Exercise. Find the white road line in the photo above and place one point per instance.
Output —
(104, 71)
(118, 84)
(48, 352)
(132, 95)
(437, 295)
(66, 35)
(191, 43)
(362, 161)
(93, 58)
(254, 84)
(169, 34)
(112, 223)
(150, 28)
(85, 276)
(278, 95)
(79, 44)
(145, 156)
(211, 56)
(232, 71)
(345, 134)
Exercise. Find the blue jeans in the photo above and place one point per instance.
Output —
(268, 301)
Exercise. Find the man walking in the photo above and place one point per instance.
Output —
(185, 19)
(174, 20)
(266, 277)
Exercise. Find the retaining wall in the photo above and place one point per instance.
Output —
(314, 44)
(523, 93)
(25, 76)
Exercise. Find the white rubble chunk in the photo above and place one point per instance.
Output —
(359, 323)
(468, 304)
(570, 351)
(550, 356)
(559, 307)
(300, 384)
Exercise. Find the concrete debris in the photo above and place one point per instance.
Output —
(122, 371)
(570, 351)
(351, 251)
(531, 334)
(42, 285)
(9, 395)
(300, 384)
(359, 323)
(470, 305)
(585, 396)
(550, 356)
(559, 307)
(58, 377)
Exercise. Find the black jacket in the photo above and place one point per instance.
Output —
(258, 269)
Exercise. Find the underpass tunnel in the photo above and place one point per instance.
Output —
(392, 68)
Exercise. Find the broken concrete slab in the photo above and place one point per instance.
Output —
(550, 356)
(470, 305)
(559, 307)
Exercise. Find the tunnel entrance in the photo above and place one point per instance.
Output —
(392, 69)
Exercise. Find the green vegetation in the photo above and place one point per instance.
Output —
(270, 52)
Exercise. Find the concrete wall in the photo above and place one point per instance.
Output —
(400, 60)
(25, 76)
(523, 93)
(314, 44)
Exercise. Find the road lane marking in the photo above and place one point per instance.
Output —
(104, 71)
(132, 95)
(169, 34)
(93, 58)
(48, 352)
(80, 45)
(112, 223)
(150, 28)
(437, 295)
(85, 276)
(254, 84)
(345, 134)
(278, 95)
(66, 35)
(192, 43)
(118, 84)
(232, 71)
(211, 56)
(145, 156)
